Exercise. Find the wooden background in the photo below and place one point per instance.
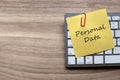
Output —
(32, 39)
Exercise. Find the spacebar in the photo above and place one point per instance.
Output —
(112, 58)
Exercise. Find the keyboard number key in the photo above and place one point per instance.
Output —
(71, 60)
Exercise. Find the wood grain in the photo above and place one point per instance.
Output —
(32, 40)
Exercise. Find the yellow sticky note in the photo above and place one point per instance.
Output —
(95, 36)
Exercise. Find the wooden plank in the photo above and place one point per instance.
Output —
(32, 39)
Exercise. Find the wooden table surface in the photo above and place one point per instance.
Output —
(32, 40)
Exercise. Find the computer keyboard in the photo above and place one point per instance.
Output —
(102, 59)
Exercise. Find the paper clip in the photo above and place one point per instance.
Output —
(82, 25)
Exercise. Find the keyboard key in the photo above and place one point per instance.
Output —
(98, 59)
(114, 25)
(109, 18)
(115, 18)
(70, 51)
(89, 59)
(118, 41)
(113, 33)
(100, 53)
(68, 34)
(119, 24)
(112, 59)
(69, 43)
(114, 41)
(108, 52)
(80, 60)
(71, 60)
(117, 33)
(116, 50)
